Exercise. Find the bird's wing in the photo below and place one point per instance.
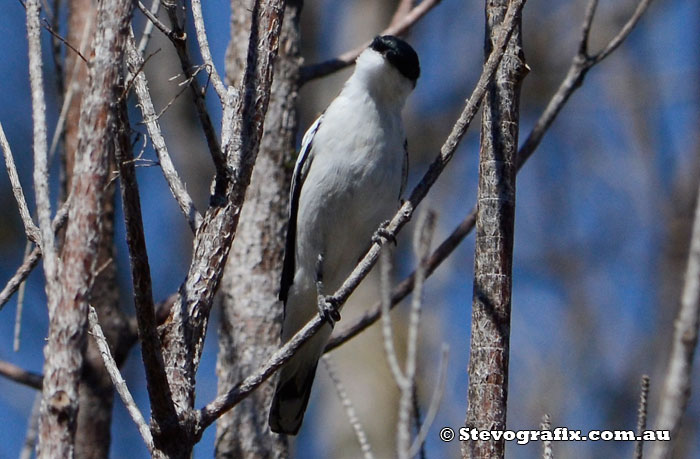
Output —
(301, 170)
(404, 169)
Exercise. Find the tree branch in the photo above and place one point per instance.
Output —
(118, 380)
(30, 228)
(561, 96)
(41, 170)
(677, 384)
(178, 39)
(177, 188)
(201, 32)
(400, 25)
(183, 334)
(225, 402)
(164, 413)
(31, 260)
(20, 375)
(68, 316)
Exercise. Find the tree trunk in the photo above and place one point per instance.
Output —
(493, 259)
(96, 392)
(251, 313)
(68, 305)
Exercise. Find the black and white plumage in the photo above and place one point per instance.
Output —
(348, 179)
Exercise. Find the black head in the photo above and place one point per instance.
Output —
(399, 54)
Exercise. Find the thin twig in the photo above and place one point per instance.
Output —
(226, 401)
(385, 268)
(641, 417)
(177, 188)
(118, 380)
(20, 304)
(397, 27)
(201, 33)
(148, 28)
(32, 429)
(678, 380)
(20, 375)
(41, 169)
(567, 87)
(438, 392)
(349, 408)
(547, 451)
(421, 247)
(30, 227)
(30, 262)
(177, 38)
(168, 32)
(159, 393)
(70, 91)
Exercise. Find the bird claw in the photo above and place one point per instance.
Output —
(384, 234)
(328, 310)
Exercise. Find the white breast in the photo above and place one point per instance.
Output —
(352, 186)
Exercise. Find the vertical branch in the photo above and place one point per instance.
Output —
(68, 319)
(360, 434)
(184, 332)
(421, 247)
(641, 417)
(676, 393)
(41, 168)
(164, 415)
(488, 363)
(251, 313)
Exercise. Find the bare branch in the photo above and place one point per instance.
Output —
(349, 408)
(151, 16)
(624, 32)
(677, 384)
(148, 28)
(157, 382)
(118, 380)
(385, 266)
(580, 66)
(30, 262)
(224, 402)
(177, 37)
(641, 417)
(41, 168)
(177, 188)
(30, 228)
(201, 31)
(421, 247)
(72, 86)
(184, 333)
(20, 375)
(438, 392)
(68, 311)
(398, 26)
(20, 304)
(547, 451)
(32, 430)
(586, 27)
(568, 86)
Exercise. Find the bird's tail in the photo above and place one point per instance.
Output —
(292, 397)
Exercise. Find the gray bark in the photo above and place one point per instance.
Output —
(488, 365)
(251, 313)
(68, 318)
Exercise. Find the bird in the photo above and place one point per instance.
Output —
(347, 182)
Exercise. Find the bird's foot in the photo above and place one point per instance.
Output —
(328, 309)
(383, 234)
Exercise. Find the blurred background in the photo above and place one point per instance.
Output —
(604, 209)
